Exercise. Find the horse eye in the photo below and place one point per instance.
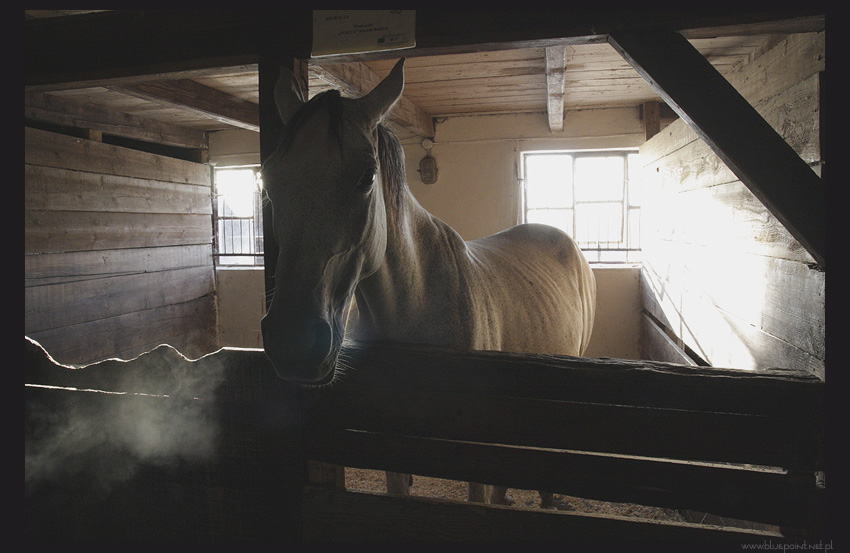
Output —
(366, 180)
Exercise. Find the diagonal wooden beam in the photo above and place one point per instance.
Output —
(200, 99)
(556, 66)
(734, 130)
(355, 79)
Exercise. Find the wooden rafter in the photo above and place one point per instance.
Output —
(356, 79)
(192, 96)
(556, 66)
(50, 108)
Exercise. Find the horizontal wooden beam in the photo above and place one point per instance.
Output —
(741, 492)
(198, 99)
(53, 109)
(124, 43)
(734, 130)
(332, 515)
(486, 391)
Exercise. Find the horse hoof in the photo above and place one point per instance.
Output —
(505, 500)
(557, 504)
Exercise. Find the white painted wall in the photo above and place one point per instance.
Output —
(478, 194)
(240, 294)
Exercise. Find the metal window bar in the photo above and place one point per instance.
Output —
(601, 244)
(239, 240)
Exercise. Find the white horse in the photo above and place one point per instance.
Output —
(348, 226)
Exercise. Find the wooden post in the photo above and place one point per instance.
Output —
(270, 129)
(651, 119)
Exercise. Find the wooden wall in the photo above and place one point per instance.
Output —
(117, 250)
(720, 273)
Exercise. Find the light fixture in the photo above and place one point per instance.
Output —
(428, 165)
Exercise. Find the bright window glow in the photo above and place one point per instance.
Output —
(239, 229)
(235, 188)
(592, 196)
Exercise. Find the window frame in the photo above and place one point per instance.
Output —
(625, 251)
(228, 258)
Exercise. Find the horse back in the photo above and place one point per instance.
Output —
(537, 289)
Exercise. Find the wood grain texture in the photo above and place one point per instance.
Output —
(118, 249)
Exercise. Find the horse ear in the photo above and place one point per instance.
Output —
(287, 94)
(381, 99)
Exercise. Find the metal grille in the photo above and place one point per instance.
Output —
(592, 196)
(238, 216)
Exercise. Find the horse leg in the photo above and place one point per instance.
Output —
(399, 483)
(499, 496)
(477, 492)
(547, 500)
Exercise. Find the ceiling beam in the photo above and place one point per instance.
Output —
(126, 43)
(356, 79)
(56, 110)
(198, 99)
(556, 67)
(734, 130)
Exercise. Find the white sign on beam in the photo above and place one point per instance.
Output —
(357, 31)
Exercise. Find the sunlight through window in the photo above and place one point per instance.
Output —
(592, 196)
(239, 236)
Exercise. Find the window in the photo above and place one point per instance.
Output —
(592, 196)
(238, 216)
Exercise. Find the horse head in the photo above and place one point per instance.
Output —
(329, 220)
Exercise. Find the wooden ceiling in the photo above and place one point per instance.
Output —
(551, 79)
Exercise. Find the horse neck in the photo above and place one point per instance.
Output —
(418, 245)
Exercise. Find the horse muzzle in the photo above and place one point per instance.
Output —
(302, 353)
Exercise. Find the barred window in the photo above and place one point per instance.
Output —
(238, 216)
(592, 196)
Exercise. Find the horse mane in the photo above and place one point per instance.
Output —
(391, 158)
(390, 152)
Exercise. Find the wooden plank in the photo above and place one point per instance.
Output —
(765, 492)
(339, 516)
(789, 61)
(725, 217)
(355, 80)
(607, 428)
(644, 409)
(563, 378)
(104, 47)
(735, 491)
(196, 98)
(657, 345)
(69, 303)
(74, 266)
(223, 470)
(55, 189)
(793, 112)
(190, 327)
(737, 133)
(55, 150)
(756, 325)
(62, 231)
(54, 109)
